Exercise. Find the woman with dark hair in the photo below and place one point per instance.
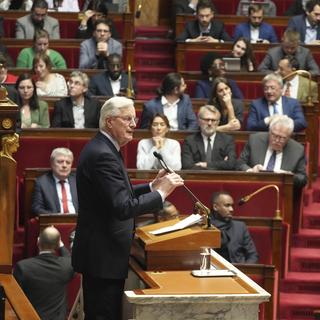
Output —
(33, 112)
(97, 11)
(48, 83)
(212, 66)
(231, 109)
(242, 49)
(168, 148)
(173, 102)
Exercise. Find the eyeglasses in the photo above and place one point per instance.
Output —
(102, 31)
(209, 119)
(128, 119)
(277, 137)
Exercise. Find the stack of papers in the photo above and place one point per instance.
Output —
(187, 222)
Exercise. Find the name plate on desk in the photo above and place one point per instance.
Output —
(213, 273)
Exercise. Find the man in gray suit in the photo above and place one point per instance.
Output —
(275, 151)
(37, 19)
(94, 52)
(289, 46)
(55, 191)
(208, 149)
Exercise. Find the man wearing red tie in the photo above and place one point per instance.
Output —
(55, 191)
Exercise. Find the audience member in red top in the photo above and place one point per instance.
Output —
(5, 77)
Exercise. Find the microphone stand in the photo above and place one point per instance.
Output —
(199, 207)
(269, 186)
(303, 73)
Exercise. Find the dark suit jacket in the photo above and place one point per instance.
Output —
(186, 118)
(45, 197)
(293, 158)
(259, 110)
(266, 32)
(192, 30)
(63, 113)
(44, 280)
(100, 84)
(107, 206)
(193, 151)
(298, 23)
(236, 243)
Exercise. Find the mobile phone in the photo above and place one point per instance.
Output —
(205, 34)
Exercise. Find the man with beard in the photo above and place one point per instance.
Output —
(113, 81)
(308, 24)
(77, 110)
(208, 149)
(237, 245)
(255, 29)
(204, 28)
(38, 19)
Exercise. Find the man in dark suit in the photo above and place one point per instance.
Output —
(308, 24)
(44, 278)
(275, 151)
(236, 243)
(273, 104)
(113, 81)
(289, 46)
(78, 110)
(196, 151)
(172, 102)
(108, 204)
(204, 28)
(55, 191)
(255, 30)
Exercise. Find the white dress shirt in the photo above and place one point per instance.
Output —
(277, 165)
(69, 196)
(170, 110)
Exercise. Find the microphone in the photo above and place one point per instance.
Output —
(246, 198)
(199, 206)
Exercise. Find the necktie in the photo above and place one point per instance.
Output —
(64, 197)
(275, 110)
(209, 151)
(272, 161)
(287, 92)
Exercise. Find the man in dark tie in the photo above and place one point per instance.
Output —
(208, 149)
(275, 151)
(108, 204)
(55, 191)
(273, 104)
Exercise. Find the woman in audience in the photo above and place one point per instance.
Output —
(168, 148)
(231, 109)
(34, 113)
(212, 66)
(40, 45)
(5, 77)
(48, 84)
(242, 49)
(89, 17)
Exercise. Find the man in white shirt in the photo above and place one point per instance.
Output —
(55, 191)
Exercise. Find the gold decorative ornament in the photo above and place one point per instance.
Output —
(7, 123)
(10, 145)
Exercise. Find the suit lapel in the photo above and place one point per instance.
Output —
(53, 191)
(86, 108)
(200, 146)
(106, 85)
(69, 111)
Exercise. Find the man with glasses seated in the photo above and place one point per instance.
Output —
(37, 19)
(209, 149)
(94, 52)
(264, 110)
(275, 151)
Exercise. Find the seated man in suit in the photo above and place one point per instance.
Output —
(296, 86)
(77, 110)
(308, 24)
(237, 245)
(275, 151)
(55, 191)
(208, 149)
(113, 81)
(289, 46)
(255, 30)
(44, 278)
(37, 19)
(205, 28)
(172, 102)
(94, 51)
(273, 104)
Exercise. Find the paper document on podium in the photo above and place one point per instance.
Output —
(189, 221)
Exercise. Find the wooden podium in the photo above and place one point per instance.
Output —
(178, 250)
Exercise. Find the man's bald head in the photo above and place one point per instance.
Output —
(49, 239)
